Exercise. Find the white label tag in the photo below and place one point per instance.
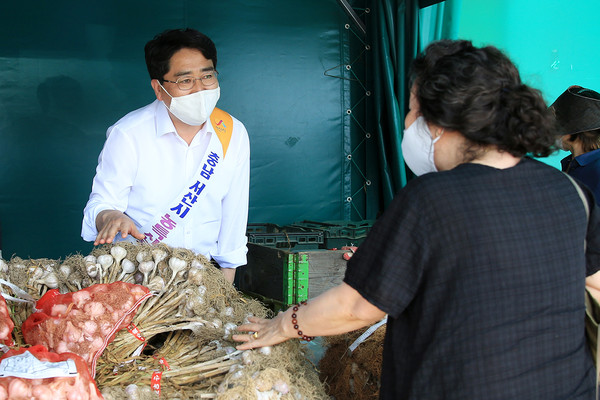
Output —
(27, 366)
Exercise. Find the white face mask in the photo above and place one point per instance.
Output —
(195, 108)
(417, 147)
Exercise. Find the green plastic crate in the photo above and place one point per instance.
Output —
(282, 277)
(338, 233)
(290, 238)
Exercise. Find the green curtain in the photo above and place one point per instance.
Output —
(394, 35)
(399, 31)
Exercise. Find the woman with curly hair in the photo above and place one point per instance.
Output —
(481, 266)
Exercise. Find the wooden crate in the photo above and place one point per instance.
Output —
(285, 277)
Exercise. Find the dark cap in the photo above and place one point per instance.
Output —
(577, 110)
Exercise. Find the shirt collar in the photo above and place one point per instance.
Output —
(589, 157)
(164, 124)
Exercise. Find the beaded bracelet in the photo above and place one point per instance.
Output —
(295, 322)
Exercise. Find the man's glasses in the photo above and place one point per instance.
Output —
(187, 82)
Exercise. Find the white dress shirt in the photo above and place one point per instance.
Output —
(144, 166)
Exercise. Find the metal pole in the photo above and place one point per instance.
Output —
(353, 16)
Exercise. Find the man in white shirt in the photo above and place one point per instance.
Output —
(177, 170)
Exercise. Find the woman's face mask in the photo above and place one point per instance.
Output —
(195, 108)
(417, 147)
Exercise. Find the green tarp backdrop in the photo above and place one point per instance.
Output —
(323, 98)
(71, 69)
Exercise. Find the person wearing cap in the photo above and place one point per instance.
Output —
(577, 113)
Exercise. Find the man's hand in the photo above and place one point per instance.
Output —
(111, 222)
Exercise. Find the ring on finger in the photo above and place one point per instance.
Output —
(254, 335)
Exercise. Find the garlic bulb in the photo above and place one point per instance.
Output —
(228, 312)
(197, 264)
(3, 265)
(281, 386)
(196, 276)
(92, 270)
(127, 267)
(146, 267)
(119, 253)
(177, 265)
(90, 259)
(138, 278)
(49, 279)
(65, 270)
(141, 256)
(156, 284)
(133, 392)
(105, 261)
(158, 255)
(49, 267)
(228, 328)
(266, 350)
(36, 272)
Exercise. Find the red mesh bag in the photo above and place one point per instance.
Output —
(6, 324)
(83, 322)
(31, 376)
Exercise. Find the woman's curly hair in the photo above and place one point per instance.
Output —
(479, 93)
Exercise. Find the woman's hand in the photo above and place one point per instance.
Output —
(262, 332)
(338, 310)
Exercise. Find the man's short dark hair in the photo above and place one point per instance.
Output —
(160, 49)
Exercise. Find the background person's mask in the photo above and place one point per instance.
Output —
(417, 147)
